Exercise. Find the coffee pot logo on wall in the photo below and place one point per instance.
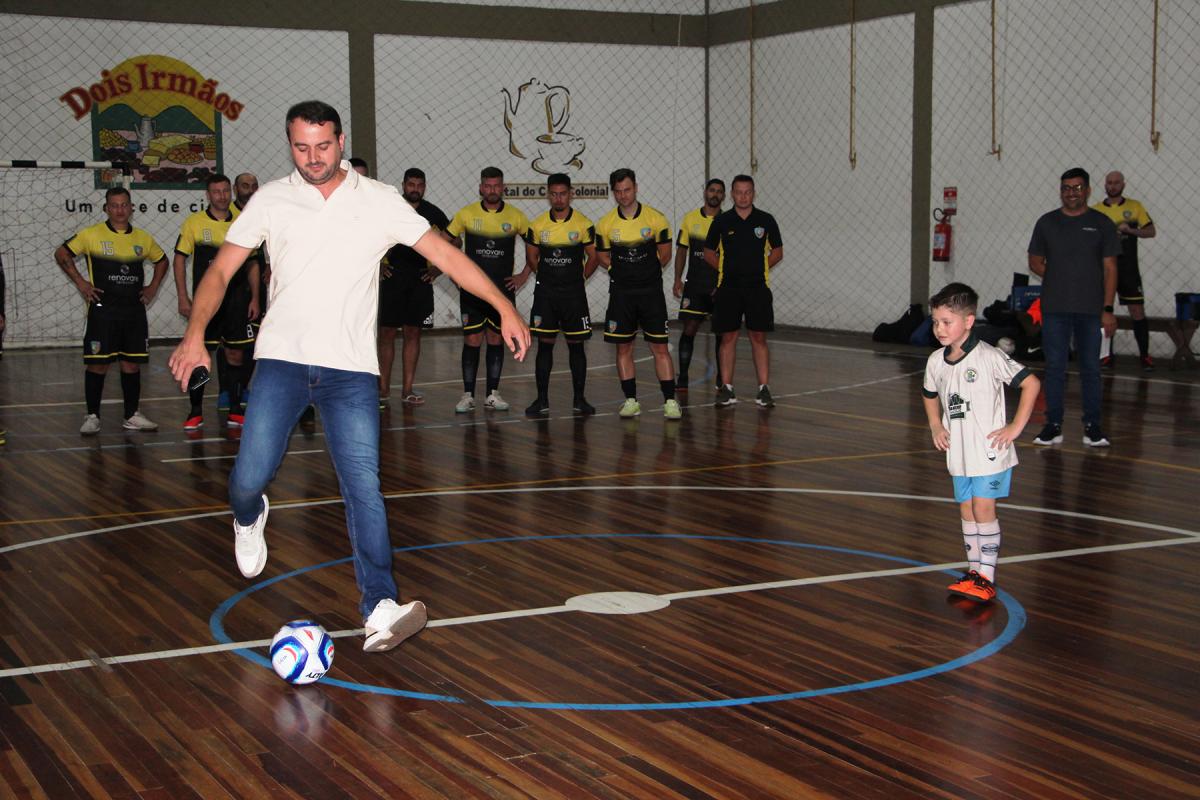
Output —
(160, 117)
(536, 120)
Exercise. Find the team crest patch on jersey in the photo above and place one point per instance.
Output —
(612, 326)
(971, 375)
(573, 236)
(537, 320)
(758, 232)
(506, 227)
(94, 346)
(645, 233)
(137, 249)
(1127, 214)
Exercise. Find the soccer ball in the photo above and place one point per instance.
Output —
(302, 652)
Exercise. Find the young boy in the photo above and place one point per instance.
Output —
(964, 400)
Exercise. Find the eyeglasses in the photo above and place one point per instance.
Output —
(1067, 189)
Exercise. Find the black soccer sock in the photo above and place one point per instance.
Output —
(629, 387)
(222, 370)
(578, 360)
(1141, 332)
(495, 365)
(717, 357)
(131, 387)
(93, 388)
(686, 345)
(238, 378)
(470, 367)
(196, 396)
(668, 389)
(542, 366)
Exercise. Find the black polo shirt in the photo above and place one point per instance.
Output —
(743, 246)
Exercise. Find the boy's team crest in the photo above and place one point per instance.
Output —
(758, 232)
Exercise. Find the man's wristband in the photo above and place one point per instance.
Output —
(1108, 309)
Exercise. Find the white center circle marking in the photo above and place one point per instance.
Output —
(616, 603)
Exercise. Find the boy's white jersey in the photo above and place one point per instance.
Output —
(971, 391)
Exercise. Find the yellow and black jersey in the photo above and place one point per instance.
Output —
(490, 237)
(562, 246)
(1133, 214)
(693, 230)
(633, 246)
(116, 260)
(743, 246)
(200, 237)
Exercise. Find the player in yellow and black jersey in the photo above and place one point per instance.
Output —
(560, 247)
(200, 237)
(634, 242)
(1133, 223)
(696, 292)
(117, 330)
(490, 231)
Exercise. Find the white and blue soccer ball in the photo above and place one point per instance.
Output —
(302, 652)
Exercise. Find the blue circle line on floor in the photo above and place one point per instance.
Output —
(1016, 622)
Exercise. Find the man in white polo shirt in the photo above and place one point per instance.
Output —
(326, 228)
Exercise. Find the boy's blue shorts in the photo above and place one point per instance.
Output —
(982, 486)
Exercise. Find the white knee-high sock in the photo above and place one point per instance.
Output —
(970, 534)
(989, 548)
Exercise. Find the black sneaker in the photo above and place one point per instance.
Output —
(582, 407)
(725, 396)
(1094, 437)
(1051, 434)
(764, 398)
(537, 408)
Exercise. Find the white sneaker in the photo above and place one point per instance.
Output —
(90, 426)
(249, 543)
(465, 403)
(495, 402)
(390, 624)
(138, 422)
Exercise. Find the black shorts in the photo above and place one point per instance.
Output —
(476, 313)
(1129, 284)
(697, 300)
(733, 303)
(231, 326)
(116, 332)
(562, 311)
(405, 299)
(629, 311)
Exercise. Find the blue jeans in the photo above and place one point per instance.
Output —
(1057, 330)
(349, 405)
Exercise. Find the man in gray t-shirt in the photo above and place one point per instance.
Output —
(1074, 251)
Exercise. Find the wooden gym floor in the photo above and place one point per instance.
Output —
(794, 638)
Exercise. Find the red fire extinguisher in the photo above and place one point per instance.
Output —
(943, 233)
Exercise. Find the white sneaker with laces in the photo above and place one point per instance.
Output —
(495, 402)
(390, 624)
(90, 426)
(249, 543)
(465, 403)
(138, 422)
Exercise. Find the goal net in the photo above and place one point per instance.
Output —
(42, 204)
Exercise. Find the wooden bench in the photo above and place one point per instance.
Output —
(1180, 334)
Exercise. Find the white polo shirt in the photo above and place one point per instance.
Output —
(324, 290)
(971, 391)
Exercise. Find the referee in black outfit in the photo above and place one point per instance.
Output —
(743, 245)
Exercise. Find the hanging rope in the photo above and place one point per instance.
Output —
(995, 151)
(1155, 133)
(853, 100)
(753, 154)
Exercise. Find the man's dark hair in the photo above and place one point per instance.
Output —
(359, 162)
(413, 172)
(958, 297)
(618, 175)
(717, 181)
(559, 179)
(1077, 172)
(213, 180)
(314, 112)
(743, 179)
(114, 191)
(491, 172)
